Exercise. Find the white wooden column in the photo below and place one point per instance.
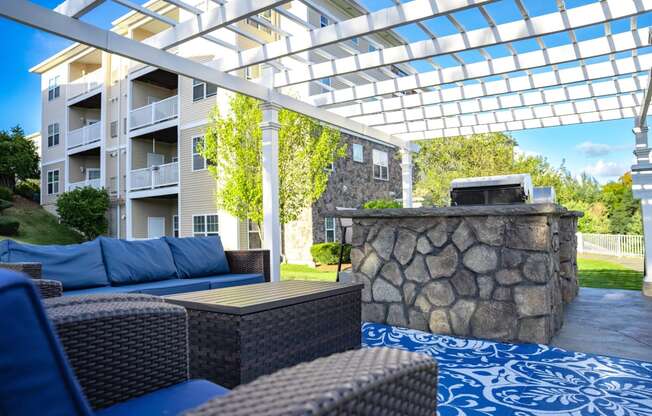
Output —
(406, 174)
(642, 189)
(271, 210)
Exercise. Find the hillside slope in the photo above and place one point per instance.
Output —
(37, 226)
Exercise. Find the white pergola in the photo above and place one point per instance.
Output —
(576, 78)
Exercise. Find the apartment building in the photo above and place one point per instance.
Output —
(135, 130)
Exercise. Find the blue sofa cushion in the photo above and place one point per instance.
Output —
(173, 400)
(198, 256)
(129, 262)
(35, 378)
(172, 286)
(77, 266)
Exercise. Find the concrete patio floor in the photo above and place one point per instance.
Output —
(608, 322)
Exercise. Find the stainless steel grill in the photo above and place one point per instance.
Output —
(486, 190)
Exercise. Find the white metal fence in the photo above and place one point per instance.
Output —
(155, 176)
(611, 244)
(85, 135)
(85, 84)
(154, 113)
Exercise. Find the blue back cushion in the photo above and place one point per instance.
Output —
(198, 256)
(35, 378)
(77, 266)
(129, 262)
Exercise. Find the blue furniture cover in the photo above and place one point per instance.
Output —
(129, 262)
(77, 266)
(198, 256)
(35, 378)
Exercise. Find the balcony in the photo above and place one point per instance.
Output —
(155, 177)
(93, 183)
(154, 113)
(85, 135)
(86, 83)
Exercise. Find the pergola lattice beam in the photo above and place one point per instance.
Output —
(77, 8)
(28, 13)
(513, 102)
(569, 108)
(575, 18)
(380, 20)
(520, 84)
(592, 48)
(554, 121)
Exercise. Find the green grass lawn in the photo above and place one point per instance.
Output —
(301, 272)
(37, 226)
(592, 273)
(608, 275)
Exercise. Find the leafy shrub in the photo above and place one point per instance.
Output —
(9, 226)
(84, 209)
(382, 204)
(5, 193)
(4, 205)
(29, 189)
(329, 253)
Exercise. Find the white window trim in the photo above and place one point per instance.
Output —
(192, 155)
(361, 147)
(58, 182)
(327, 229)
(204, 95)
(48, 135)
(53, 84)
(373, 165)
(249, 232)
(175, 225)
(205, 232)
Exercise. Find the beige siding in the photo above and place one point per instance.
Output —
(77, 166)
(152, 207)
(298, 239)
(52, 199)
(53, 112)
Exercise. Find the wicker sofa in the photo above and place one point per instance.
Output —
(157, 267)
(127, 354)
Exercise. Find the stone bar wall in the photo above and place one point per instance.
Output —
(489, 272)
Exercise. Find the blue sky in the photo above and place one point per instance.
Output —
(602, 149)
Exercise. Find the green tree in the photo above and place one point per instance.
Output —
(84, 209)
(232, 147)
(18, 158)
(441, 160)
(620, 203)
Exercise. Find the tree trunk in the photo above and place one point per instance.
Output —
(8, 181)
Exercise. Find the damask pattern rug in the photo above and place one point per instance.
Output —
(493, 378)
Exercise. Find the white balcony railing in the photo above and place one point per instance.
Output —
(93, 183)
(157, 112)
(85, 84)
(155, 177)
(85, 135)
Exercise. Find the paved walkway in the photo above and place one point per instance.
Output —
(608, 322)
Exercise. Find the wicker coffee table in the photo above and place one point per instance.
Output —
(240, 333)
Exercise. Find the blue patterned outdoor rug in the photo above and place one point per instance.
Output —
(493, 378)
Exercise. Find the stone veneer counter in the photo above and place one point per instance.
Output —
(499, 272)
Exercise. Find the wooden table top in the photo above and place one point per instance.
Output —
(242, 300)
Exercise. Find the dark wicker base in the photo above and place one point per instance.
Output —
(235, 349)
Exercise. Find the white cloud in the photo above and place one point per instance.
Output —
(602, 169)
(591, 149)
(519, 151)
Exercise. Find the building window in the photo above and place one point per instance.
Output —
(175, 225)
(329, 230)
(205, 225)
(201, 90)
(53, 88)
(267, 16)
(358, 154)
(381, 165)
(53, 134)
(198, 161)
(323, 21)
(53, 182)
(253, 235)
(114, 129)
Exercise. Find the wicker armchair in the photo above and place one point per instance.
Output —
(149, 351)
(46, 288)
